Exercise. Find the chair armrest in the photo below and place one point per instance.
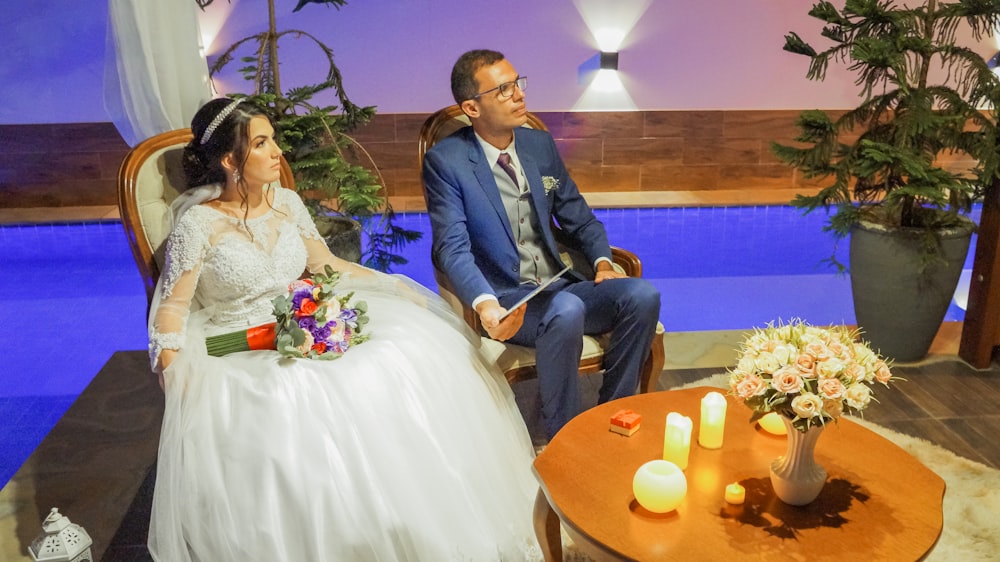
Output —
(628, 261)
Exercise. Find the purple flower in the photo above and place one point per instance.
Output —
(322, 332)
(297, 296)
(307, 323)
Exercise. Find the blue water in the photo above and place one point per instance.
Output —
(70, 294)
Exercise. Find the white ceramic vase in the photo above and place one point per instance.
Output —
(796, 478)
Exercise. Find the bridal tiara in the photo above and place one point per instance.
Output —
(218, 120)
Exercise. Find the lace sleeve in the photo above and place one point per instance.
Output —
(186, 248)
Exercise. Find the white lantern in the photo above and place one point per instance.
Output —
(61, 541)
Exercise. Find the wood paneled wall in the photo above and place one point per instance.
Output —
(644, 153)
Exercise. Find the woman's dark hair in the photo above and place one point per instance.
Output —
(203, 160)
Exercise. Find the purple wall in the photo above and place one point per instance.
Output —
(397, 54)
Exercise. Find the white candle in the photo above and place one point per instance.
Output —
(659, 486)
(713, 420)
(677, 439)
(771, 423)
(735, 494)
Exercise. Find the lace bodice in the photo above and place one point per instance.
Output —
(233, 269)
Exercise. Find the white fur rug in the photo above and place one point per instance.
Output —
(971, 500)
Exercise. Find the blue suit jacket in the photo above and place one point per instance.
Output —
(473, 243)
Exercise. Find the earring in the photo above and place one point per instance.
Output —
(236, 176)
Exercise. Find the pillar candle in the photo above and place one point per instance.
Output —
(677, 439)
(713, 420)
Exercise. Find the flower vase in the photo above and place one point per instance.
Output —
(796, 478)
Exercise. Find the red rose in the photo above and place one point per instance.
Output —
(319, 347)
(307, 308)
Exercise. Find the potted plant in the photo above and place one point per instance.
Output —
(883, 166)
(344, 196)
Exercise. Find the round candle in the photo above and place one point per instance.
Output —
(735, 494)
(771, 422)
(713, 420)
(659, 486)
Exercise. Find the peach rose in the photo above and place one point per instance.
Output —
(854, 372)
(833, 408)
(830, 367)
(831, 389)
(882, 373)
(858, 396)
(766, 362)
(807, 405)
(750, 385)
(787, 380)
(784, 352)
(819, 350)
(307, 344)
(746, 364)
(806, 365)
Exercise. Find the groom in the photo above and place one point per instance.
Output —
(493, 191)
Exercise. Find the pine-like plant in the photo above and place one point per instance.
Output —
(316, 140)
(882, 158)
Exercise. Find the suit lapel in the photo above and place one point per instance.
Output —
(484, 173)
(537, 189)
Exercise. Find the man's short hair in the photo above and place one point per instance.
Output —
(463, 74)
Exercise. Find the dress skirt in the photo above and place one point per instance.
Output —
(408, 447)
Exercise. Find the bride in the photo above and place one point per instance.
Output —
(408, 447)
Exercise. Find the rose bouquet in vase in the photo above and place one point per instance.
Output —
(311, 321)
(807, 376)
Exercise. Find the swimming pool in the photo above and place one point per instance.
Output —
(70, 294)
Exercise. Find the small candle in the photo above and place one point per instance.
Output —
(677, 439)
(771, 423)
(735, 494)
(713, 420)
(659, 486)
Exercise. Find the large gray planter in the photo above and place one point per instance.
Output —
(899, 308)
(342, 236)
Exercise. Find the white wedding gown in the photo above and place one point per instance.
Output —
(409, 447)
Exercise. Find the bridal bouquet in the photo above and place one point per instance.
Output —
(311, 321)
(808, 374)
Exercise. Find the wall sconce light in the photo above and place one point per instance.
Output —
(609, 60)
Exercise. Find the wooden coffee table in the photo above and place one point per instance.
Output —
(879, 502)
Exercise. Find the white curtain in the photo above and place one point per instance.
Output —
(155, 73)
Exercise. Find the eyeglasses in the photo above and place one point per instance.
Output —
(506, 89)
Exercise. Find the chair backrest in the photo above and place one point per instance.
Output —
(150, 178)
(446, 121)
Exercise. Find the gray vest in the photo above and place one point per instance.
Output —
(536, 266)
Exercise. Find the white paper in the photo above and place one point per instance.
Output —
(534, 292)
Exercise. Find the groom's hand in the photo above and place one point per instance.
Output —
(606, 271)
(490, 312)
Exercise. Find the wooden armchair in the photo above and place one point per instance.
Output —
(518, 362)
(149, 179)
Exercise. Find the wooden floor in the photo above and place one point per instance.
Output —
(943, 400)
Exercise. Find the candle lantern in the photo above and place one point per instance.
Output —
(61, 541)
(713, 420)
(677, 439)
(659, 486)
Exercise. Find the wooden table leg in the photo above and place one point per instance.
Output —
(547, 529)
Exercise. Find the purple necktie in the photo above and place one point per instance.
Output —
(504, 162)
